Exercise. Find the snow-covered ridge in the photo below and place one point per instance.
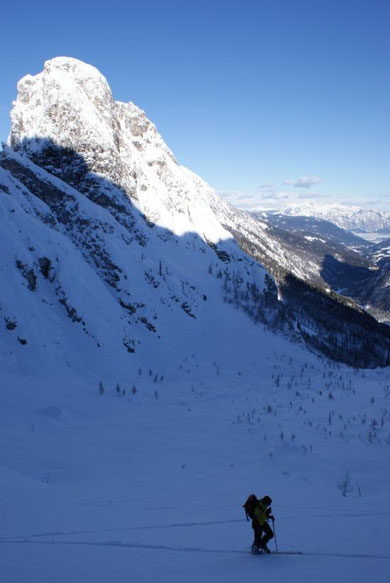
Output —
(113, 253)
(351, 218)
(70, 105)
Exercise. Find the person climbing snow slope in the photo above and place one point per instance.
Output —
(260, 511)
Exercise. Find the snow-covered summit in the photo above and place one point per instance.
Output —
(351, 218)
(57, 103)
(70, 105)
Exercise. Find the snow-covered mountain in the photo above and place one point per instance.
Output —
(351, 218)
(70, 106)
(112, 249)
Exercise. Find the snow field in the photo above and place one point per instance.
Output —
(149, 485)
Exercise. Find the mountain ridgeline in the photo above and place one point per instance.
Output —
(114, 254)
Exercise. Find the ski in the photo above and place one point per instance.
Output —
(286, 553)
(277, 553)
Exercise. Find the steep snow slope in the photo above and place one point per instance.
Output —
(77, 282)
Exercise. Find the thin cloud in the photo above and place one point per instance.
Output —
(240, 199)
(265, 198)
(304, 182)
(246, 196)
(269, 197)
(268, 188)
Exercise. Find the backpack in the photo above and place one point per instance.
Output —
(250, 506)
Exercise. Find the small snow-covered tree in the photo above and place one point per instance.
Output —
(345, 485)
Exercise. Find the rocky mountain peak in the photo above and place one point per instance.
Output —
(69, 105)
(66, 97)
(66, 121)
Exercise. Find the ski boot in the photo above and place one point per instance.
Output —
(265, 549)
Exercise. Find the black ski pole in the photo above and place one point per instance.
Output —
(273, 528)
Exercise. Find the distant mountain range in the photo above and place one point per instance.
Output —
(351, 218)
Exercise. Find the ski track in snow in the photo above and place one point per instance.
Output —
(126, 528)
(182, 525)
(192, 549)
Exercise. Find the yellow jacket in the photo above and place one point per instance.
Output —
(261, 513)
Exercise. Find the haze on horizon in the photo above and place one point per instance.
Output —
(270, 102)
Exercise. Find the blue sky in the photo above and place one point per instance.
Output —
(269, 101)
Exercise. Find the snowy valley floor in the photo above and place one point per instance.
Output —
(148, 485)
